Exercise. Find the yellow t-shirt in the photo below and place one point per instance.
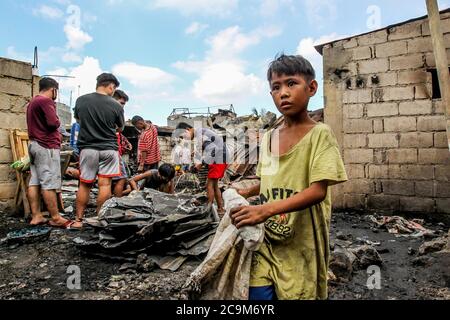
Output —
(295, 254)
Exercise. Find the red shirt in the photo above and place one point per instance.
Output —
(148, 141)
(43, 123)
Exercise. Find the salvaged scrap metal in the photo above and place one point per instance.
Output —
(225, 273)
(153, 223)
(401, 227)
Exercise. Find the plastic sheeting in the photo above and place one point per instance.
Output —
(150, 222)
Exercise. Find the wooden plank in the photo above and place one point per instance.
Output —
(441, 58)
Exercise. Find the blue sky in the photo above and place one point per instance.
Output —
(184, 53)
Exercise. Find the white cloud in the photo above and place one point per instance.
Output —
(321, 12)
(271, 7)
(12, 53)
(142, 76)
(222, 75)
(76, 38)
(83, 78)
(195, 28)
(204, 7)
(226, 82)
(231, 41)
(71, 57)
(307, 50)
(48, 12)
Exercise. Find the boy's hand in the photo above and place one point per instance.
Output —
(249, 216)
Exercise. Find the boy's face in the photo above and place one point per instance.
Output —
(291, 94)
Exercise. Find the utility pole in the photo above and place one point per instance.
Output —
(441, 58)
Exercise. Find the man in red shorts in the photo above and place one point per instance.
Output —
(210, 150)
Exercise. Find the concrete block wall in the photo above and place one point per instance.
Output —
(392, 133)
(16, 90)
(165, 148)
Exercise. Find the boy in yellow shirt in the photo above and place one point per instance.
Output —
(298, 164)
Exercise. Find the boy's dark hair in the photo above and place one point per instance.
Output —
(136, 119)
(119, 94)
(48, 83)
(291, 66)
(184, 126)
(105, 79)
(167, 171)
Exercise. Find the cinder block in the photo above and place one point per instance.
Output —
(445, 27)
(359, 186)
(442, 189)
(430, 59)
(383, 140)
(373, 66)
(414, 61)
(355, 201)
(355, 171)
(5, 101)
(383, 79)
(353, 111)
(15, 87)
(416, 140)
(7, 190)
(413, 77)
(382, 109)
(378, 172)
(390, 49)
(358, 156)
(442, 173)
(423, 91)
(398, 187)
(354, 141)
(362, 53)
(350, 43)
(6, 173)
(4, 138)
(438, 107)
(414, 204)
(395, 172)
(441, 140)
(12, 121)
(400, 124)
(15, 69)
(416, 107)
(422, 44)
(6, 155)
(402, 156)
(425, 189)
(373, 38)
(358, 126)
(19, 104)
(358, 96)
(443, 205)
(378, 126)
(379, 156)
(410, 30)
(431, 123)
(383, 202)
(398, 93)
(434, 156)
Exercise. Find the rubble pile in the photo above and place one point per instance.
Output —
(154, 227)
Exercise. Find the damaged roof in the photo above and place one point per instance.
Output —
(319, 47)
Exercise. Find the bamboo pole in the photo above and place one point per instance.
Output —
(441, 58)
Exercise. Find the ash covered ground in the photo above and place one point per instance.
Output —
(408, 268)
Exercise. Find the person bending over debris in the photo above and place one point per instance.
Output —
(210, 150)
(299, 162)
(100, 116)
(149, 154)
(44, 150)
(161, 180)
(119, 183)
